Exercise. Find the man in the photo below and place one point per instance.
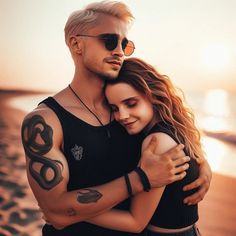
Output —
(76, 154)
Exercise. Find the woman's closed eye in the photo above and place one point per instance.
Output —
(131, 103)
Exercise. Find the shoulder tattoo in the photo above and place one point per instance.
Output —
(33, 130)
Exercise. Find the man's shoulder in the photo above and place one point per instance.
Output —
(43, 119)
(42, 114)
(41, 109)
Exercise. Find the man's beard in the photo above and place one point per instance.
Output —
(103, 75)
(107, 76)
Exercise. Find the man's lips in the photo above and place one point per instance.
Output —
(115, 62)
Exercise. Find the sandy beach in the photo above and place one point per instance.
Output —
(18, 210)
(19, 213)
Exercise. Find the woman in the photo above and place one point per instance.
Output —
(146, 102)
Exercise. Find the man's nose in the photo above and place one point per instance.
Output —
(118, 51)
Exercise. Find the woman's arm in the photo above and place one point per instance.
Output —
(135, 220)
(143, 205)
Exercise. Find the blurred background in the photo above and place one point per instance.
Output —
(193, 42)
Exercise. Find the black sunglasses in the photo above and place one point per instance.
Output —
(111, 42)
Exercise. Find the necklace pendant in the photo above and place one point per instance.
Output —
(108, 133)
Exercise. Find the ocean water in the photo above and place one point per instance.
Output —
(28, 102)
(215, 112)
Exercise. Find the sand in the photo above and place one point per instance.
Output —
(19, 213)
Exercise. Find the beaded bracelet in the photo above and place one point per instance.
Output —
(144, 179)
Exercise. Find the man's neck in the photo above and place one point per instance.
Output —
(89, 90)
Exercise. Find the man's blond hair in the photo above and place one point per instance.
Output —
(82, 20)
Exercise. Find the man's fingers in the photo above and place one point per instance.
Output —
(175, 152)
(152, 144)
(195, 184)
(195, 198)
(181, 168)
(201, 184)
(178, 176)
(181, 161)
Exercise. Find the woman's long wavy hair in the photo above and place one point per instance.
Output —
(168, 105)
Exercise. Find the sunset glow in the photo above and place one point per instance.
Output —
(216, 57)
(216, 109)
(34, 55)
(221, 157)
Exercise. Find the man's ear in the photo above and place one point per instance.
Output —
(75, 45)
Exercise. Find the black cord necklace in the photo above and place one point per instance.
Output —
(76, 95)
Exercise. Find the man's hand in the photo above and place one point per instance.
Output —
(165, 168)
(202, 183)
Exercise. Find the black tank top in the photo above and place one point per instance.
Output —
(93, 159)
(171, 212)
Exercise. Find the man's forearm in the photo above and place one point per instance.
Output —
(82, 204)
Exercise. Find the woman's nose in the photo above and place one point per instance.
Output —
(123, 115)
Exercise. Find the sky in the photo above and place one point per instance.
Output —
(192, 41)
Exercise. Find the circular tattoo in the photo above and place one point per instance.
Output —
(33, 129)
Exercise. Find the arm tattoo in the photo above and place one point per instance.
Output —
(90, 195)
(33, 128)
(71, 212)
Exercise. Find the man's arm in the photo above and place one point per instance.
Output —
(48, 174)
(202, 183)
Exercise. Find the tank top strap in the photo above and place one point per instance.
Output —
(53, 104)
(60, 112)
(164, 128)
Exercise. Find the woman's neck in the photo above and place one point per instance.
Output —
(150, 125)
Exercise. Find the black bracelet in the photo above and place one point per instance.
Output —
(128, 185)
(144, 179)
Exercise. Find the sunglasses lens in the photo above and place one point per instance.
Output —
(111, 42)
(124, 43)
(129, 48)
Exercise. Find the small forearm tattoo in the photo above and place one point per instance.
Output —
(34, 129)
(88, 195)
(71, 212)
